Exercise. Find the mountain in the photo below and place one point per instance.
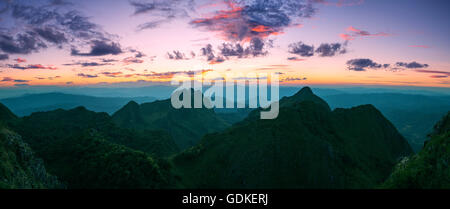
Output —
(88, 161)
(305, 94)
(428, 169)
(19, 168)
(87, 150)
(60, 123)
(186, 125)
(29, 103)
(307, 146)
(413, 115)
(6, 115)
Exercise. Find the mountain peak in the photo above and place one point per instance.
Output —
(305, 90)
(132, 104)
(305, 94)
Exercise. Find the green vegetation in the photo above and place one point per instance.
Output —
(307, 146)
(186, 125)
(413, 115)
(86, 150)
(59, 123)
(429, 169)
(19, 168)
(88, 161)
(6, 116)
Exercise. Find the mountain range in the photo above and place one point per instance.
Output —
(30, 103)
(413, 115)
(153, 145)
(186, 125)
(307, 146)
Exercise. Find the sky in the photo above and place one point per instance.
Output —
(309, 42)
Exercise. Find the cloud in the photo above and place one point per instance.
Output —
(255, 48)
(411, 65)
(100, 48)
(112, 74)
(354, 33)
(346, 37)
(87, 75)
(60, 3)
(288, 79)
(51, 35)
(163, 10)
(170, 74)
(138, 54)
(9, 79)
(438, 76)
(176, 55)
(20, 60)
(28, 67)
(209, 53)
(132, 60)
(22, 43)
(49, 78)
(324, 49)
(339, 3)
(217, 60)
(329, 50)
(301, 49)
(4, 57)
(362, 64)
(274, 67)
(295, 59)
(109, 60)
(53, 77)
(43, 25)
(88, 64)
(444, 73)
(247, 19)
(150, 25)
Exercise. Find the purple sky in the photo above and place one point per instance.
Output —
(371, 42)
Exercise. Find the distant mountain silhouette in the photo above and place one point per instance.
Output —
(428, 169)
(186, 125)
(29, 103)
(307, 146)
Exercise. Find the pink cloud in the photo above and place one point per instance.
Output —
(20, 60)
(346, 37)
(354, 33)
(434, 72)
(439, 76)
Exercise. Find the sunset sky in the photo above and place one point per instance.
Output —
(85, 42)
